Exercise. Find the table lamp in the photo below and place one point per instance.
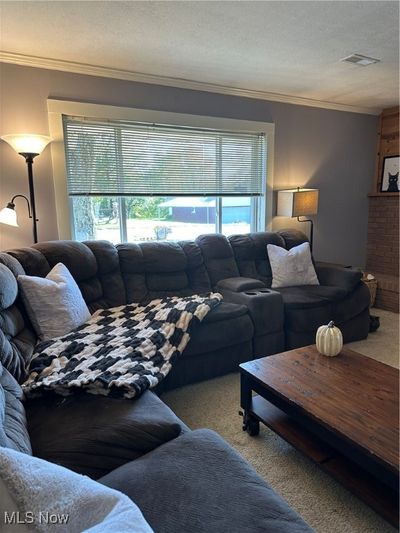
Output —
(299, 202)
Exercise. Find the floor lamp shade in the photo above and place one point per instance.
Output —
(297, 202)
(26, 143)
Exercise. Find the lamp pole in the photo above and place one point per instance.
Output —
(29, 161)
(311, 230)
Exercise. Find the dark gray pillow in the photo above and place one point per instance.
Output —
(93, 434)
(13, 426)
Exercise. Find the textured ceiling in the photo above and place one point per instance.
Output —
(289, 47)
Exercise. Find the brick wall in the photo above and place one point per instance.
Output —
(383, 235)
(383, 249)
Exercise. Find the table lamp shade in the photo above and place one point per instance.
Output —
(297, 202)
(26, 143)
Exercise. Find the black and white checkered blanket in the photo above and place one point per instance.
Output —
(120, 351)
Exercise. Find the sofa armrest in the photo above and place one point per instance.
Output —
(93, 434)
(347, 278)
(238, 284)
(265, 307)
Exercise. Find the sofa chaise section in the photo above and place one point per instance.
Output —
(199, 484)
(190, 481)
(341, 295)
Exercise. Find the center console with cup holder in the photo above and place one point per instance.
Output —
(265, 308)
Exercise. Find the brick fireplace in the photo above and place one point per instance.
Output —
(383, 220)
(383, 249)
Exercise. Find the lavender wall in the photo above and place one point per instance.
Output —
(331, 150)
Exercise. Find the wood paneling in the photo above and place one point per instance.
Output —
(388, 142)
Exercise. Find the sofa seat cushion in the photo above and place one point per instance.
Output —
(92, 435)
(225, 311)
(218, 334)
(198, 483)
(309, 296)
(309, 306)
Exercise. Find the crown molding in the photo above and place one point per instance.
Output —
(107, 72)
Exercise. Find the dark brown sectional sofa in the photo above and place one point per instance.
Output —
(140, 446)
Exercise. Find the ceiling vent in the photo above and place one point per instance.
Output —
(361, 60)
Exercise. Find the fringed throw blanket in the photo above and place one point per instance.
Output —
(120, 351)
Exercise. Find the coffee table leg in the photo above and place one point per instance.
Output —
(250, 423)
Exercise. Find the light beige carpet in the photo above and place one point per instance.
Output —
(323, 503)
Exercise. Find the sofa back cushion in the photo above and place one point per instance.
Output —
(251, 255)
(250, 251)
(158, 269)
(94, 266)
(13, 425)
(17, 338)
(218, 257)
(292, 237)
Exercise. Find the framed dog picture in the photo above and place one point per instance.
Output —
(390, 174)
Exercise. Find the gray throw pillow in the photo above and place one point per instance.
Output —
(291, 267)
(54, 304)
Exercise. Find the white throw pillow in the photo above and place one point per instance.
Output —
(54, 304)
(291, 267)
(53, 499)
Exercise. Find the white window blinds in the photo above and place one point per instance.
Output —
(134, 159)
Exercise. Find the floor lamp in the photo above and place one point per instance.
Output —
(297, 203)
(29, 146)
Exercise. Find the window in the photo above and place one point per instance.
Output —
(135, 182)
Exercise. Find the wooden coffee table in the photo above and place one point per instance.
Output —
(342, 412)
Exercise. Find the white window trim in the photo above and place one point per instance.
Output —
(58, 108)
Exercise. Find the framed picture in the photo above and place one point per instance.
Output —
(390, 174)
